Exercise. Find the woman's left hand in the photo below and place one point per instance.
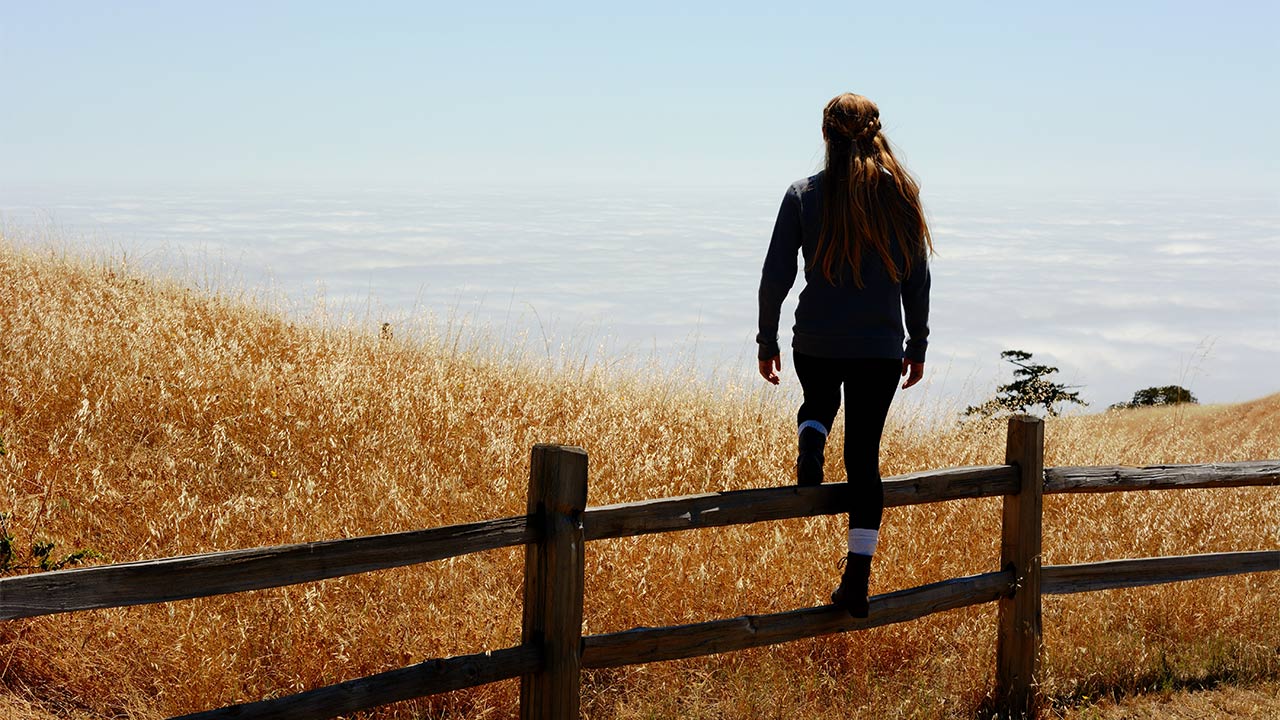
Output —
(913, 371)
(769, 368)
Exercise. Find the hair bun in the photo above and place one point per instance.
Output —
(851, 124)
(867, 131)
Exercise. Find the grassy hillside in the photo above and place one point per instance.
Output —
(142, 419)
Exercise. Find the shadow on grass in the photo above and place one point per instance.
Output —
(1160, 680)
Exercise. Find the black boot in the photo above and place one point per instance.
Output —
(852, 593)
(809, 461)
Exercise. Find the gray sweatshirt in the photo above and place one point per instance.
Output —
(838, 320)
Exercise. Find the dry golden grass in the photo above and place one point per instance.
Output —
(144, 420)
(1260, 702)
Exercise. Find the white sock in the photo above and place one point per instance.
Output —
(813, 424)
(862, 541)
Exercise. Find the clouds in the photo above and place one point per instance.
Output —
(1120, 293)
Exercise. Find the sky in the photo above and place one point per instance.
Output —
(1101, 178)
(1120, 295)
(1082, 96)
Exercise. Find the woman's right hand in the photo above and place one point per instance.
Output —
(769, 368)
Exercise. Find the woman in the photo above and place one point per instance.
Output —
(865, 242)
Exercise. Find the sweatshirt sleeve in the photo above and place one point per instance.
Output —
(915, 304)
(779, 272)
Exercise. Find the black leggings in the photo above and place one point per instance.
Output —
(869, 384)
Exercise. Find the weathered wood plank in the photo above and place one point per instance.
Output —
(736, 507)
(1019, 621)
(191, 576)
(645, 645)
(1110, 574)
(425, 678)
(949, 484)
(1076, 479)
(554, 582)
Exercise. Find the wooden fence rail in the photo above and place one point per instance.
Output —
(643, 645)
(425, 678)
(1110, 574)
(218, 573)
(1161, 477)
(553, 651)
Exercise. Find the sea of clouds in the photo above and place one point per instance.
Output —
(1119, 293)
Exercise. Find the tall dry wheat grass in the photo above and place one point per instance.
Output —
(143, 419)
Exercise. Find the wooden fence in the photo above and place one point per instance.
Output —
(553, 651)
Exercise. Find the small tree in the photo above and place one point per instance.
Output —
(41, 557)
(1163, 395)
(1030, 388)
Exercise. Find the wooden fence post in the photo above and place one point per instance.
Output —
(1018, 644)
(553, 582)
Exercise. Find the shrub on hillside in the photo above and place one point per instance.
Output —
(1163, 395)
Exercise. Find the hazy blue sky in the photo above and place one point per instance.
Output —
(1083, 163)
(1084, 95)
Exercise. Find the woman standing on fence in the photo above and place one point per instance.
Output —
(862, 232)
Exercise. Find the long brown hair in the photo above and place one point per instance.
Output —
(869, 200)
